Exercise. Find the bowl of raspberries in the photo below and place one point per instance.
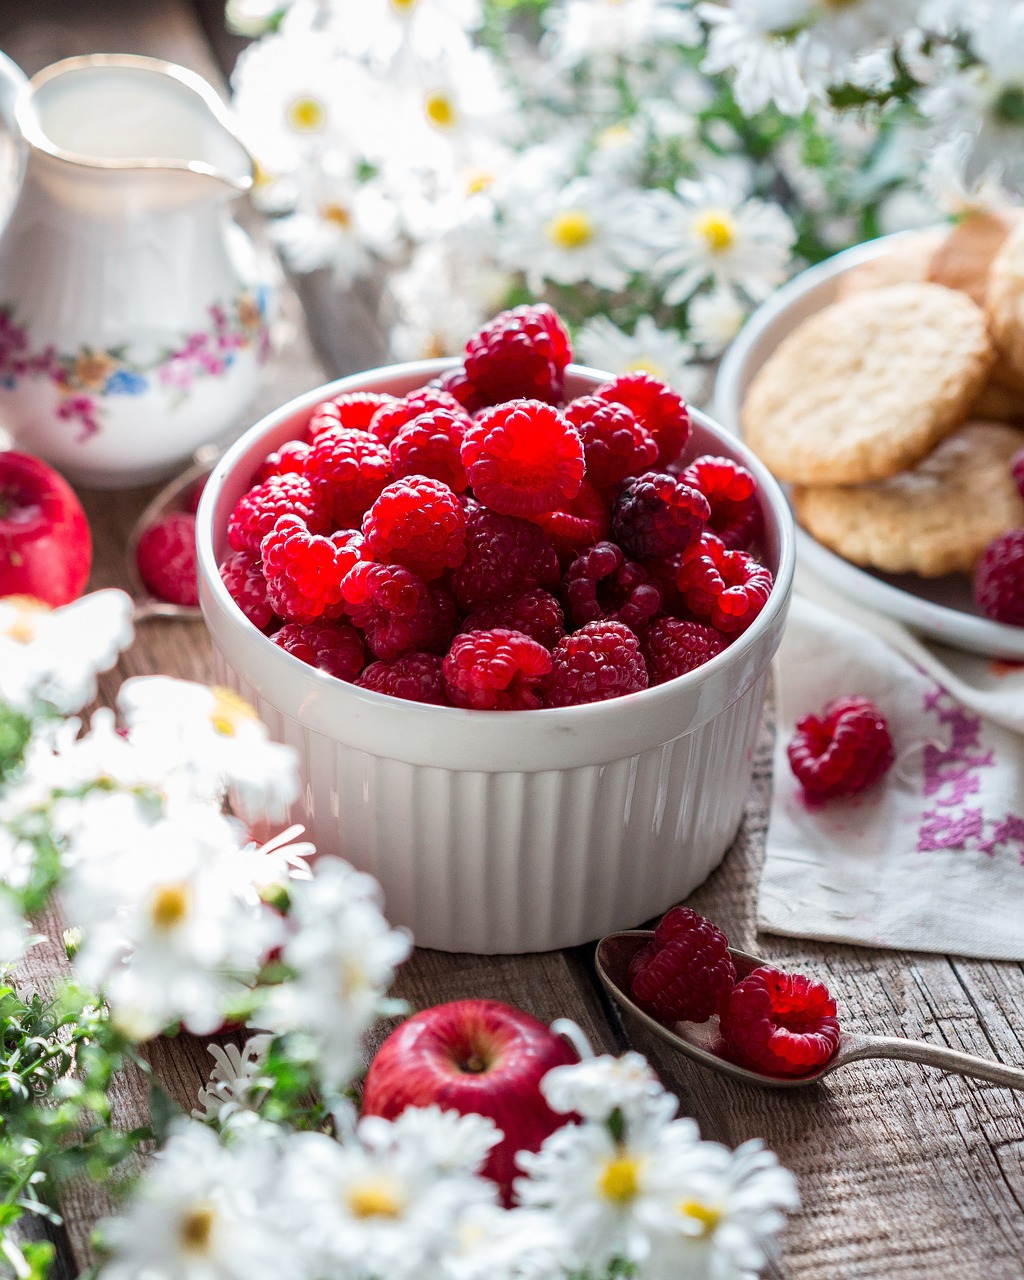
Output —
(517, 618)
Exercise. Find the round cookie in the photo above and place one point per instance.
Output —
(966, 254)
(867, 386)
(1004, 300)
(934, 519)
(909, 259)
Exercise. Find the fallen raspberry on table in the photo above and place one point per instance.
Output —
(304, 570)
(257, 511)
(614, 443)
(999, 579)
(333, 647)
(393, 607)
(242, 574)
(355, 411)
(416, 677)
(417, 522)
(783, 1024)
(726, 588)
(656, 407)
(348, 469)
(601, 585)
(390, 419)
(686, 974)
(504, 556)
(731, 492)
(166, 558)
(577, 524)
(522, 458)
(657, 514)
(520, 354)
(672, 647)
(843, 751)
(290, 459)
(536, 613)
(431, 445)
(601, 660)
(496, 670)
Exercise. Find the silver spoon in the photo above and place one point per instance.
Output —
(703, 1041)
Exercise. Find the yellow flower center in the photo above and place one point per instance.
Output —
(22, 629)
(571, 229)
(616, 135)
(306, 115)
(403, 6)
(644, 364)
(620, 1179)
(441, 111)
(707, 1217)
(479, 180)
(195, 1230)
(717, 228)
(261, 177)
(170, 906)
(229, 712)
(375, 1198)
(336, 214)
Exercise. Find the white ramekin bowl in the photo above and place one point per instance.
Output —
(516, 831)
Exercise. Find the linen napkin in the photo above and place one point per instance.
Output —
(931, 859)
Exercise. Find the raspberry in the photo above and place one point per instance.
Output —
(783, 1024)
(601, 660)
(349, 469)
(354, 411)
(332, 647)
(601, 585)
(672, 647)
(519, 354)
(430, 445)
(419, 523)
(999, 579)
(522, 458)
(166, 558)
(290, 459)
(614, 443)
(257, 511)
(304, 571)
(726, 588)
(242, 573)
(731, 492)
(842, 752)
(456, 383)
(391, 418)
(392, 606)
(580, 523)
(504, 556)
(497, 670)
(686, 973)
(656, 407)
(536, 613)
(656, 514)
(1017, 470)
(414, 676)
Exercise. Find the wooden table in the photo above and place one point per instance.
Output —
(903, 1172)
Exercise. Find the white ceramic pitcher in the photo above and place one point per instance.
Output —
(133, 313)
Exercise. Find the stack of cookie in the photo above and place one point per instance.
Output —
(895, 412)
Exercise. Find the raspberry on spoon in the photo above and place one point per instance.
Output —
(843, 751)
(686, 974)
(783, 1024)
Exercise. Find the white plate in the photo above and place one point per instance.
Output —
(940, 608)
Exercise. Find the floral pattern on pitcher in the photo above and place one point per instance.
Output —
(91, 374)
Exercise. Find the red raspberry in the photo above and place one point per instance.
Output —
(166, 557)
(580, 523)
(726, 588)
(333, 647)
(783, 1024)
(655, 406)
(349, 468)
(354, 411)
(1017, 470)
(242, 573)
(522, 458)
(731, 492)
(601, 660)
(497, 670)
(614, 443)
(417, 522)
(393, 607)
(686, 973)
(456, 383)
(520, 354)
(842, 752)
(414, 676)
(504, 556)
(430, 445)
(657, 514)
(257, 511)
(304, 571)
(672, 647)
(290, 459)
(601, 585)
(536, 613)
(389, 420)
(999, 579)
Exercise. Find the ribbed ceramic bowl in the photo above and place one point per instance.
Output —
(507, 831)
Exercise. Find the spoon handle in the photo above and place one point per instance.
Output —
(933, 1055)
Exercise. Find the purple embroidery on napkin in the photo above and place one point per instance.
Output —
(949, 830)
(1009, 831)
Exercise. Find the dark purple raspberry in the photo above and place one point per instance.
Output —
(657, 514)
(333, 647)
(536, 613)
(601, 660)
(504, 556)
(414, 676)
(602, 585)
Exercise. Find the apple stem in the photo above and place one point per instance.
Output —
(574, 1033)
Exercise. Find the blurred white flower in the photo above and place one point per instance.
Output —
(953, 195)
(595, 1087)
(232, 1088)
(659, 352)
(714, 319)
(349, 227)
(616, 29)
(757, 45)
(507, 1244)
(451, 1142)
(14, 935)
(445, 294)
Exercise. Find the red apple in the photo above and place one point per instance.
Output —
(45, 544)
(473, 1056)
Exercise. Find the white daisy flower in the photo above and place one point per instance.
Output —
(232, 1086)
(447, 292)
(507, 1244)
(712, 233)
(596, 1086)
(757, 43)
(349, 228)
(580, 30)
(714, 319)
(851, 27)
(452, 1142)
(659, 352)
